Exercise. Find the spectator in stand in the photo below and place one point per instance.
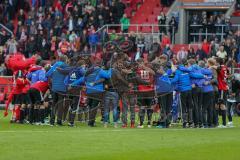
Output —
(210, 24)
(106, 15)
(86, 51)
(10, 25)
(201, 55)
(138, 55)
(173, 29)
(124, 23)
(100, 21)
(141, 42)
(21, 16)
(93, 41)
(12, 45)
(45, 50)
(228, 47)
(213, 49)
(31, 47)
(120, 8)
(237, 37)
(154, 50)
(114, 13)
(162, 21)
(104, 37)
(58, 25)
(182, 55)
(194, 21)
(3, 38)
(32, 29)
(191, 53)
(222, 53)
(79, 25)
(206, 47)
(165, 40)
(64, 46)
(168, 51)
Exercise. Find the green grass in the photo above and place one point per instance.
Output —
(27, 142)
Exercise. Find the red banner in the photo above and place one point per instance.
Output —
(6, 85)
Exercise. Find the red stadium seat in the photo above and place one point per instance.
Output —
(152, 19)
(146, 29)
(157, 11)
(128, 12)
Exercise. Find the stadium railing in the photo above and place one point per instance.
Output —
(206, 31)
(4, 27)
(151, 29)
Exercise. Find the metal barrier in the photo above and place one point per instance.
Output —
(200, 31)
(8, 30)
(138, 29)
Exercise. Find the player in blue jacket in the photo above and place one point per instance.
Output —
(74, 81)
(197, 84)
(58, 89)
(208, 97)
(164, 89)
(182, 79)
(94, 78)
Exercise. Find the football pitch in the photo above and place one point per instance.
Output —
(29, 142)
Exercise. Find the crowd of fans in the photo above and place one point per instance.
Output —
(47, 27)
(214, 24)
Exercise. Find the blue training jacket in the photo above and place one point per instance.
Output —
(38, 75)
(74, 75)
(197, 80)
(95, 76)
(183, 77)
(57, 78)
(208, 77)
(163, 83)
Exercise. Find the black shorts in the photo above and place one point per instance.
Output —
(222, 97)
(35, 96)
(144, 102)
(26, 98)
(17, 99)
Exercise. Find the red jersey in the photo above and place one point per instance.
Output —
(20, 84)
(222, 78)
(41, 86)
(26, 87)
(147, 77)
